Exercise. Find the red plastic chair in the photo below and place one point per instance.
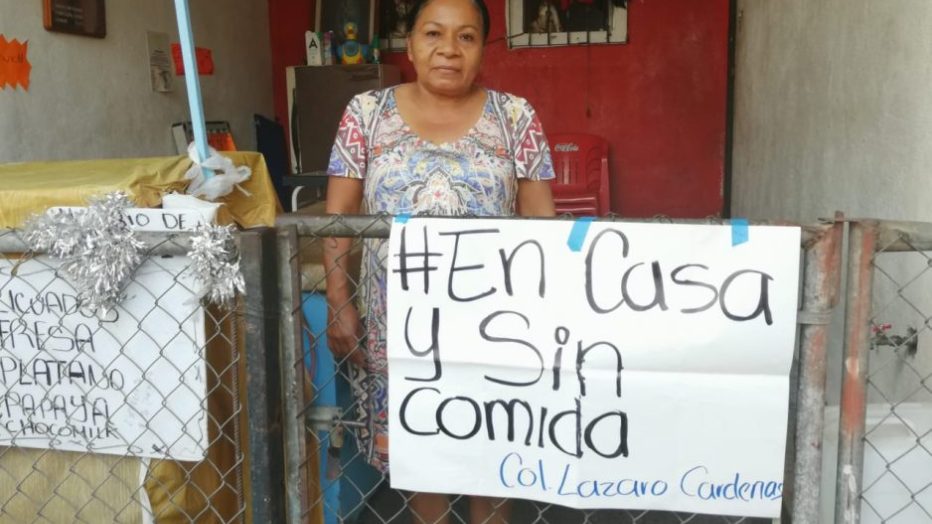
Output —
(581, 165)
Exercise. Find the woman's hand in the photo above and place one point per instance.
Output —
(344, 334)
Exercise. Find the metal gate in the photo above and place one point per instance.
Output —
(327, 478)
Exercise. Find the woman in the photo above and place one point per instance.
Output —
(440, 145)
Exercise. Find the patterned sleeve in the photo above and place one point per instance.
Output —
(532, 153)
(348, 158)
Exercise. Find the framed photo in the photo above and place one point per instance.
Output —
(392, 17)
(333, 15)
(542, 23)
(79, 17)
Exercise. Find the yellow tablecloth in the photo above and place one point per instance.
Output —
(32, 187)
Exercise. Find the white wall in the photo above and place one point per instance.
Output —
(91, 98)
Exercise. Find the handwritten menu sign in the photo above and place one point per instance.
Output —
(130, 383)
(602, 365)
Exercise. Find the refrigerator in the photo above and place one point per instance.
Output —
(317, 96)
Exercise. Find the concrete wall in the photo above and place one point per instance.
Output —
(91, 98)
(832, 112)
(833, 109)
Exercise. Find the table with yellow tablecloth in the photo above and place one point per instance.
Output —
(32, 187)
(109, 488)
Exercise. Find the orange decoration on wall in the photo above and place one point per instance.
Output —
(14, 65)
(204, 57)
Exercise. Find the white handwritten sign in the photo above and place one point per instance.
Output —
(154, 219)
(132, 383)
(646, 369)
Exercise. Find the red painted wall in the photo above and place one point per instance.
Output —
(660, 100)
(288, 20)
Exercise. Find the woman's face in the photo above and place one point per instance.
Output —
(445, 46)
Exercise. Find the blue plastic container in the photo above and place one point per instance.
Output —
(344, 496)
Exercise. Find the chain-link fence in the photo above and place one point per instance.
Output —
(885, 446)
(148, 413)
(328, 474)
(137, 414)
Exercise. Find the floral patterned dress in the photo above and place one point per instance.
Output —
(475, 175)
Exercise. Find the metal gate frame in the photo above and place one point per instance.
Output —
(820, 277)
(868, 239)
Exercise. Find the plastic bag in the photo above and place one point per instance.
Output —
(225, 177)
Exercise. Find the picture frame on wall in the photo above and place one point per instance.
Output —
(333, 15)
(392, 17)
(545, 23)
(78, 17)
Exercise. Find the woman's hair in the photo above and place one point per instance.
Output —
(415, 10)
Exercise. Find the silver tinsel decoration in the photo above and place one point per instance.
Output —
(215, 262)
(99, 253)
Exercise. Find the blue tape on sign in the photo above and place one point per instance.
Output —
(578, 233)
(739, 231)
(402, 218)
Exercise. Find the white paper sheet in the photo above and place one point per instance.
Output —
(682, 391)
(133, 383)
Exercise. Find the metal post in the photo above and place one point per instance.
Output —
(862, 242)
(292, 391)
(263, 391)
(822, 275)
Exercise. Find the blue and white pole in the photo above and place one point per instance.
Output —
(192, 82)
